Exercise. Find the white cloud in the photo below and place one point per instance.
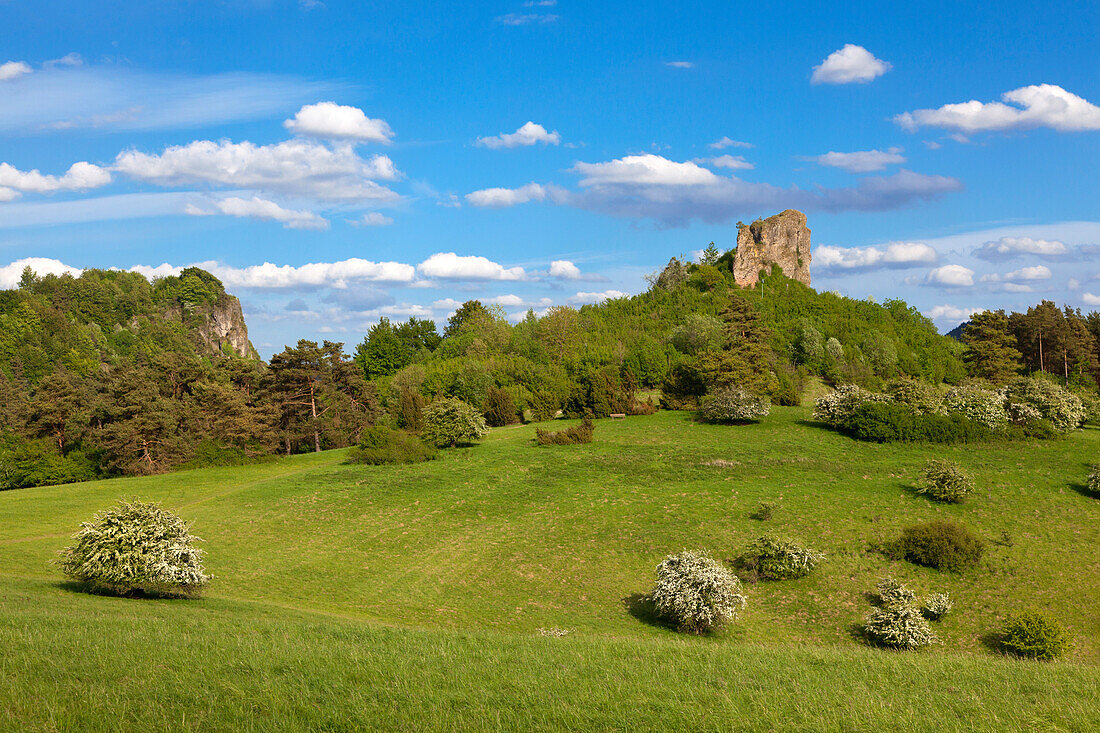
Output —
(508, 301)
(318, 274)
(10, 274)
(733, 162)
(680, 64)
(951, 313)
(565, 270)
(373, 219)
(894, 255)
(450, 266)
(69, 59)
(1009, 247)
(1090, 299)
(1038, 272)
(951, 276)
(515, 19)
(1073, 284)
(727, 142)
(295, 167)
(331, 120)
(257, 208)
(1039, 105)
(643, 169)
(861, 161)
(588, 298)
(849, 64)
(80, 176)
(932, 145)
(1016, 288)
(497, 198)
(530, 133)
(13, 70)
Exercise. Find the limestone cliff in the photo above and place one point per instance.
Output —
(782, 240)
(218, 328)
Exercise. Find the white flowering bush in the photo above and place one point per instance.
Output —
(836, 407)
(1062, 408)
(899, 626)
(936, 606)
(921, 397)
(136, 547)
(734, 404)
(944, 481)
(451, 421)
(891, 592)
(1093, 480)
(980, 405)
(697, 592)
(778, 559)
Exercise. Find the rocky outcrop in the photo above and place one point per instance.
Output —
(218, 329)
(782, 240)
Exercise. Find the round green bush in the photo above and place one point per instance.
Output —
(696, 592)
(734, 405)
(137, 547)
(451, 421)
(939, 544)
(778, 559)
(380, 445)
(944, 481)
(1036, 635)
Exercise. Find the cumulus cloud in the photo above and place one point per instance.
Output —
(849, 64)
(515, 19)
(1038, 272)
(861, 161)
(450, 266)
(257, 208)
(13, 70)
(80, 176)
(894, 255)
(318, 274)
(588, 298)
(950, 276)
(1039, 105)
(373, 219)
(10, 274)
(680, 64)
(340, 122)
(498, 198)
(530, 133)
(1090, 299)
(674, 193)
(733, 162)
(295, 167)
(565, 270)
(1009, 247)
(727, 142)
(951, 313)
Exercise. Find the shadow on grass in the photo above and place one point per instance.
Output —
(1084, 491)
(76, 586)
(641, 607)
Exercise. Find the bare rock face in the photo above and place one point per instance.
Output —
(227, 328)
(782, 240)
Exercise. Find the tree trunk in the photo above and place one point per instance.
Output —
(313, 412)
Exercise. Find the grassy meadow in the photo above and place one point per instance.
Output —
(410, 597)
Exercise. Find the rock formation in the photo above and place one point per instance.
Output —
(217, 329)
(781, 240)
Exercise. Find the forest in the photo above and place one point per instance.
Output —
(109, 374)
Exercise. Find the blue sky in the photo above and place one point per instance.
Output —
(335, 162)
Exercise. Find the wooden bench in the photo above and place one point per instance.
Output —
(618, 415)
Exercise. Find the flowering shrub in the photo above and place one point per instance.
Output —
(891, 592)
(899, 626)
(1034, 634)
(776, 559)
(837, 407)
(920, 397)
(980, 405)
(1064, 409)
(697, 592)
(451, 421)
(944, 481)
(936, 606)
(733, 405)
(136, 547)
(1093, 481)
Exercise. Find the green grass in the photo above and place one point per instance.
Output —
(408, 597)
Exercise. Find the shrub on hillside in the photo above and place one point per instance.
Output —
(1092, 483)
(921, 397)
(137, 547)
(734, 405)
(1036, 635)
(500, 408)
(779, 559)
(944, 481)
(936, 606)
(899, 626)
(890, 423)
(980, 405)
(574, 435)
(451, 421)
(410, 409)
(836, 407)
(380, 445)
(1053, 402)
(892, 592)
(640, 407)
(696, 592)
(939, 544)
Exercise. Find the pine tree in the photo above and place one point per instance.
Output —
(991, 351)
